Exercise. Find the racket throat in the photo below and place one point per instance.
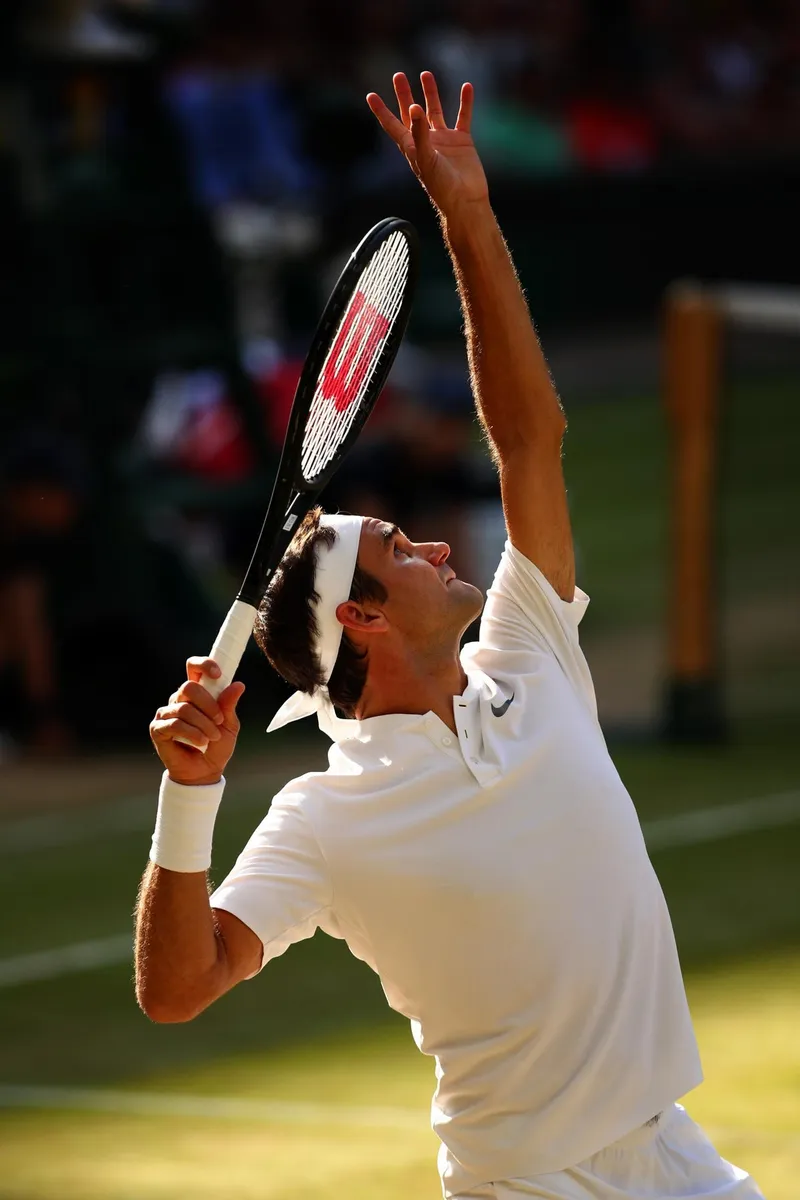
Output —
(260, 574)
(294, 514)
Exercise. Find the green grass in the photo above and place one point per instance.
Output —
(616, 465)
(745, 1018)
(314, 1027)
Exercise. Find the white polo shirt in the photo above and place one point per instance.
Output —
(499, 885)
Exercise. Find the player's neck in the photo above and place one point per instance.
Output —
(414, 685)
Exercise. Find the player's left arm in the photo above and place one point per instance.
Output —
(515, 398)
(516, 401)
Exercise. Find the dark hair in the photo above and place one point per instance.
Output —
(285, 627)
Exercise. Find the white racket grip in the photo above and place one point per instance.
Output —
(227, 651)
(230, 645)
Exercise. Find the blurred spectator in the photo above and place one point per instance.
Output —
(706, 90)
(240, 127)
(523, 132)
(140, 136)
(82, 28)
(386, 35)
(191, 424)
(192, 433)
(234, 98)
(779, 98)
(610, 128)
(40, 503)
(607, 131)
(526, 54)
(562, 83)
(478, 40)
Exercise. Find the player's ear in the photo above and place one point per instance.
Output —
(360, 619)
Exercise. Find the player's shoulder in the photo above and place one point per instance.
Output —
(520, 582)
(295, 811)
(298, 791)
(304, 792)
(516, 566)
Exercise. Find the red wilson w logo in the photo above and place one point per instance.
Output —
(362, 331)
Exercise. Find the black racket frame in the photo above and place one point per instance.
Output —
(292, 495)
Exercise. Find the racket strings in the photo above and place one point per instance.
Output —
(350, 363)
(379, 291)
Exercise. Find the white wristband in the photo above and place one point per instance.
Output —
(185, 825)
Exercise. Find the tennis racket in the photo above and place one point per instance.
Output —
(353, 349)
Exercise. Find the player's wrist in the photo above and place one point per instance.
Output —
(461, 217)
(185, 820)
(209, 781)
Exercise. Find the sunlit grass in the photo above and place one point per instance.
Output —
(745, 1015)
(749, 1035)
(119, 1158)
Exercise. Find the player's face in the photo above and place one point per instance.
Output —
(425, 599)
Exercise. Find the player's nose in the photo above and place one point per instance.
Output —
(437, 553)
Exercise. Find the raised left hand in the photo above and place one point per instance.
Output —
(444, 160)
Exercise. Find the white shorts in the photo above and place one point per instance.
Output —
(669, 1160)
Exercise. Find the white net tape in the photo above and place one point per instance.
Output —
(746, 305)
(355, 353)
(770, 308)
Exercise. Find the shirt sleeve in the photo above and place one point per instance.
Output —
(279, 885)
(523, 612)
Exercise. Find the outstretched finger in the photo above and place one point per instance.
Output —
(387, 120)
(421, 133)
(405, 97)
(464, 118)
(433, 104)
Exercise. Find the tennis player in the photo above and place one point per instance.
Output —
(471, 839)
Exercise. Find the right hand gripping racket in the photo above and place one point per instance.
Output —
(353, 349)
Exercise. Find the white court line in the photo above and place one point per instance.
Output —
(724, 820)
(51, 831)
(65, 960)
(226, 1108)
(288, 1112)
(47, 831)
(683, 829)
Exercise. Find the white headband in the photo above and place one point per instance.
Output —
(333, 580)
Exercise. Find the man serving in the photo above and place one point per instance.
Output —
(471, 839)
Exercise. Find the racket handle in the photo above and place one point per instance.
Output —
(230, 645)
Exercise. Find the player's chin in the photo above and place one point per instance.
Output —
(465, 595)
(462, 586)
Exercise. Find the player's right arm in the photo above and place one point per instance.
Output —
(187, 954)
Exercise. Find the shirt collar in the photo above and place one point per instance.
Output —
(371, 729)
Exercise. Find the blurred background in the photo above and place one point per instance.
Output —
(180, 183)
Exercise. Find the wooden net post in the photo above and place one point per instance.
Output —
(692, 379)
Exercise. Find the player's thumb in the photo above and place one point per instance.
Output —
(228, 700)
